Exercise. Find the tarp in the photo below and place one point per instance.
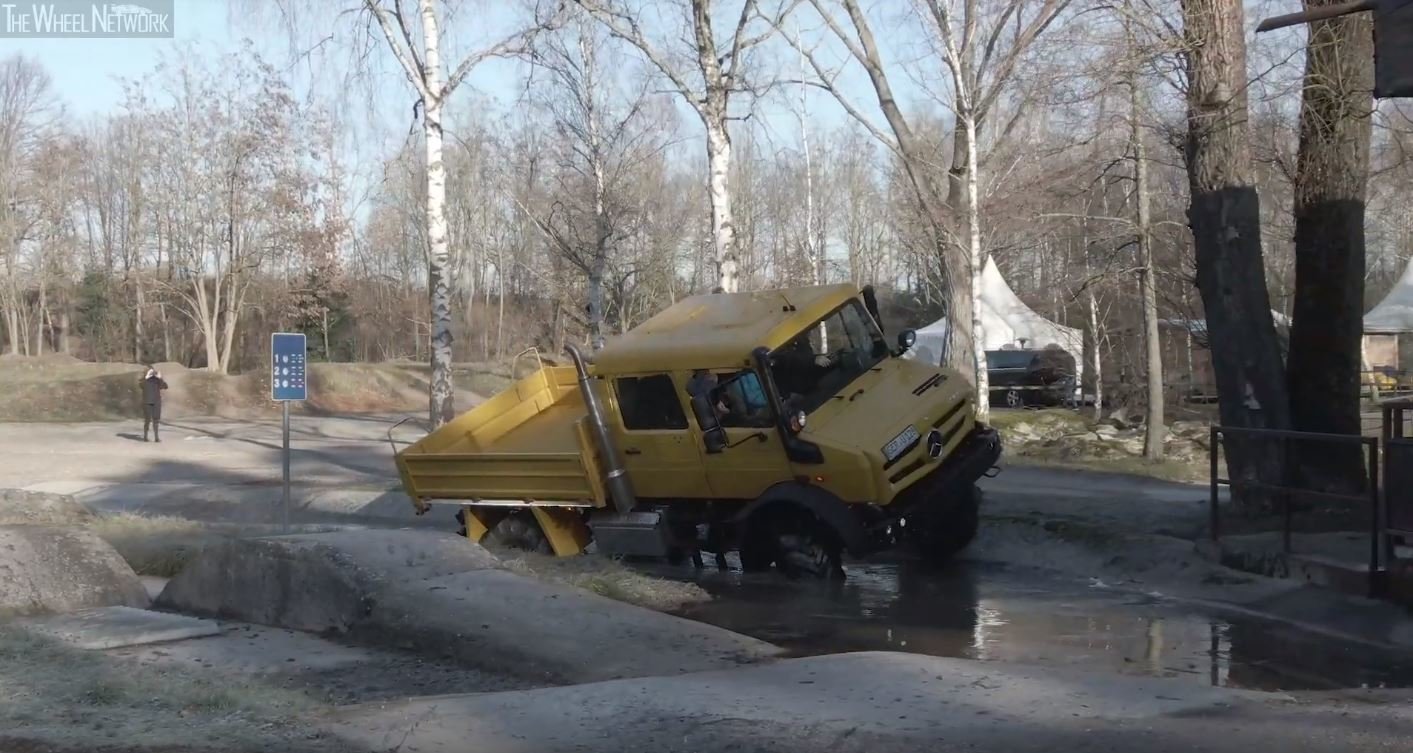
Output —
(1394, 314)
(1005, 321)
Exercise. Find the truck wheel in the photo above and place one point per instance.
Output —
(1014, 399)
(939, 539)
(519, 530)
(810, 554)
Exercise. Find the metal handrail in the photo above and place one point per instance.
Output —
(391, 442)
(1378, 512)
(514, 362)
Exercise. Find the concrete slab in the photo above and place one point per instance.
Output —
(864, 701)
(245, 650)
(47, 570)
(439, 595)
(116, 627)
(41, 508)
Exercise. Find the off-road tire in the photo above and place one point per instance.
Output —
(939, 539)
(810, 554)
(520, 530)
(757, 554)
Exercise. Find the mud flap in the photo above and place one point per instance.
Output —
(476, 521)
(564, 528)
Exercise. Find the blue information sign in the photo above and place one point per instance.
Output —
(287, 367)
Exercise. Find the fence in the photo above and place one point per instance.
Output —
(1285, 492)
(1398, 469)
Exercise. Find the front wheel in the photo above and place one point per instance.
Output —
(799, 546)
(938, 538)
(1014, 399)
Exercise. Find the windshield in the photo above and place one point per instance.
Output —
(827, 356)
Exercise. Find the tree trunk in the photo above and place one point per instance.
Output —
(718, 188)
(962, 341)
(1332, 174)
(65, 343)
(137, 333)
(1152, 346)
(977, 263)
(41, 316)
(12, 327)
(1096, 364)
(1226, 229)
(441, 406)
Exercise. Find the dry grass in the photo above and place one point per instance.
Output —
(64, 389)
(606, 577)
(81, 699)
(158, 546)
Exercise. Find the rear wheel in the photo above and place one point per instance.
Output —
(939, 538)
(520, 530)
(1014, 399)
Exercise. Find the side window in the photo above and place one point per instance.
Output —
(744, 399)
(650, 402)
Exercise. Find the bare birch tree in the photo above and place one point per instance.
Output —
(981, 44)
(717, 70)
(413, 33)
(604, 134)
(26, 107)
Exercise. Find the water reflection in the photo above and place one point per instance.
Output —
(1033, 617)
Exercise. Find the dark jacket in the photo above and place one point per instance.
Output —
(152, 390)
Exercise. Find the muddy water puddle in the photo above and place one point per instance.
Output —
(994, 613)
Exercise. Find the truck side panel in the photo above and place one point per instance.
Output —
(528, 443)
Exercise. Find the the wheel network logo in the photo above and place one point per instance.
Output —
(85, 19)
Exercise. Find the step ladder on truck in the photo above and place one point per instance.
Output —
(777, 424)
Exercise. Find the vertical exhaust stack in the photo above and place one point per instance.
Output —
(620, 487)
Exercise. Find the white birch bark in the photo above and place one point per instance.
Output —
(719, 189)
(976, 259)
(441, 406)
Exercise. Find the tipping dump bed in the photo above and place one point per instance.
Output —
(529, 443)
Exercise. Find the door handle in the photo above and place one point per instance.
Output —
(632, 451)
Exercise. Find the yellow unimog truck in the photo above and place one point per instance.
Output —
(779, 424)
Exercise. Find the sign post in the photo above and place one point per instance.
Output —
(287, 384)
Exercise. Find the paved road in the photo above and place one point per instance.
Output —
(351, 453)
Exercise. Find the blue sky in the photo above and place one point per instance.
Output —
(87, 73)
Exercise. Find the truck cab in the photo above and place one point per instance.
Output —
(780, 424)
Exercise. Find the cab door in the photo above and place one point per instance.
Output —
(753, 459)
(659, 450)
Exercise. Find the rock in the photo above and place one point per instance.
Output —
(1104, 431)
(45, 569)
(18, 506)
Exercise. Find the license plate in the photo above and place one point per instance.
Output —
(900, 444)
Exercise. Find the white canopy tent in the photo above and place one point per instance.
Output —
(1394, 314)
(1005, 322)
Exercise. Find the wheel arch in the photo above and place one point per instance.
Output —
(826, 506)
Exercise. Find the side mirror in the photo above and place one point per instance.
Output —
(906, 339)
(712, 434)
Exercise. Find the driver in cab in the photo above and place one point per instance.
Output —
(798, 368)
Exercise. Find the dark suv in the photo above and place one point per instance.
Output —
(1030, 377)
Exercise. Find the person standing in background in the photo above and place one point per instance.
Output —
(152, 386)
